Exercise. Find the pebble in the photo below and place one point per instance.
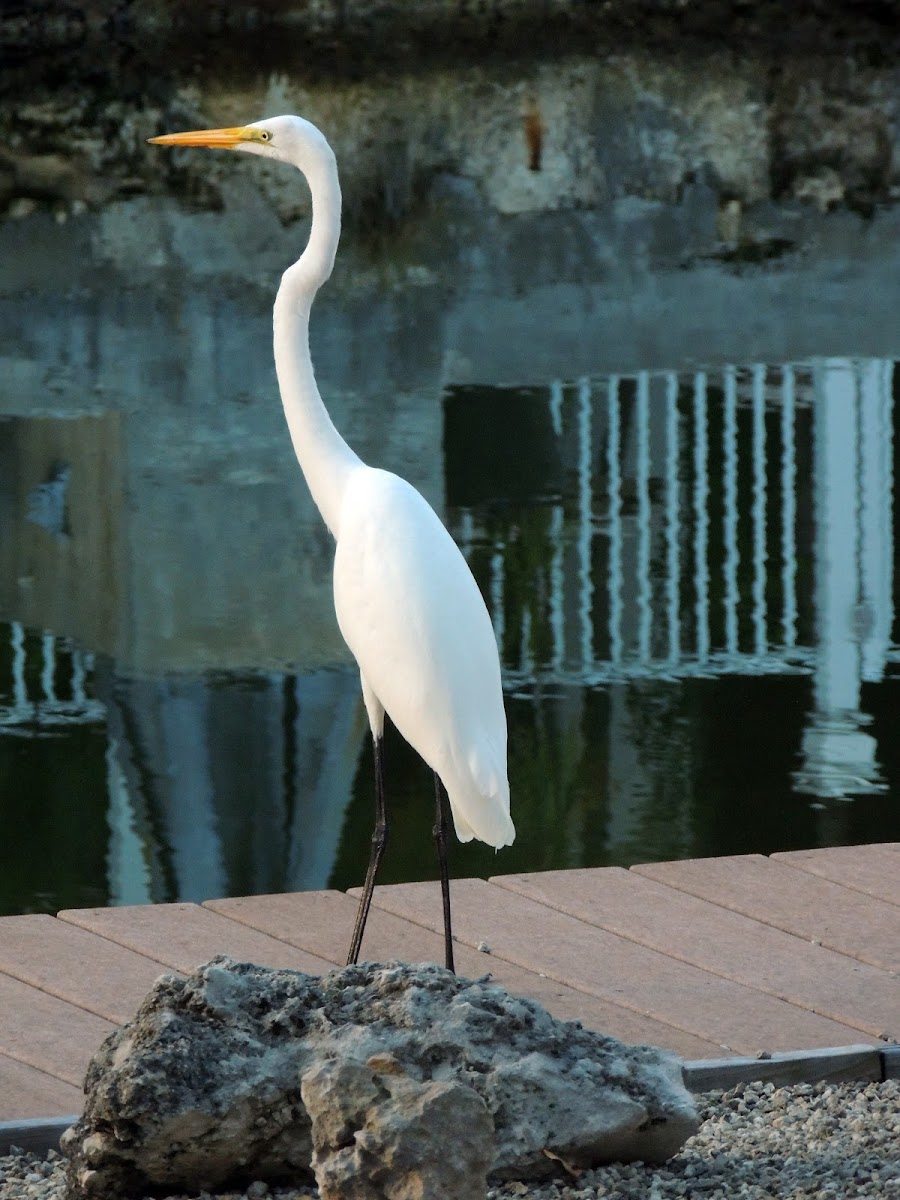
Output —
(825, 1141)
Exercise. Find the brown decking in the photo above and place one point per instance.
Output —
(708, 957)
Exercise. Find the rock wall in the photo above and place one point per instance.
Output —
(533, 106)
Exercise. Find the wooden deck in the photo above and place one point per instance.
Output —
(708, 957)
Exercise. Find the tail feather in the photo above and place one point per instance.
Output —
(485, 817)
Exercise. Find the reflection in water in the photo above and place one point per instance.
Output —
(854, 573)
(712, 547)
(690, 578)
(243, 784)
(46, 685)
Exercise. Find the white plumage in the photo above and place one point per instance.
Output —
(415, 621)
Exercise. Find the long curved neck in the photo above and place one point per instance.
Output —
(325, 458)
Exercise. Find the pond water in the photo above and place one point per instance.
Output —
(690, 573)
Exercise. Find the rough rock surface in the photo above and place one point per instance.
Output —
(221, 1078)
(379, 1134)
(567, 130)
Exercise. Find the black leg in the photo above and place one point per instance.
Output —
(440, 839)
(379, 841)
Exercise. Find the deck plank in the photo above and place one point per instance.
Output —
(48, 1033)
(27, 1094)
(591, 959)
(872, 869)
(184, 936)
(722, 942)
(323, 921)
(774, 891)
(74, 965)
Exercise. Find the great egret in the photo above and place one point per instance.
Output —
(406, 602)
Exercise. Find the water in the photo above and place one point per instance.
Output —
(675, 488)
(690, 574)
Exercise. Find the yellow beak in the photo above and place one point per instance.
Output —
(219, 139)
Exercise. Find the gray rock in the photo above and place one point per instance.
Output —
(217, 1079)
(380, 1135)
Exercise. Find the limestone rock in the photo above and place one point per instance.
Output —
(216, 1079)
(380, 1135)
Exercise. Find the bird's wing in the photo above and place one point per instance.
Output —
(412, 615)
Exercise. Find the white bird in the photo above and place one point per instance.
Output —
(406, 602)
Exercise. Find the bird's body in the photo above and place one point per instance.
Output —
(414, 619)
(405, 599)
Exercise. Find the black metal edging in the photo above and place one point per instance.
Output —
(869, 1064)
(838, 1063)
(38, 1136)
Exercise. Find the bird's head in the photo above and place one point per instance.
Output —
(290, 139)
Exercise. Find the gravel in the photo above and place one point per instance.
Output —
(823, 1141)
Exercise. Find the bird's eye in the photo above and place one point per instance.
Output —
(264, 135)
